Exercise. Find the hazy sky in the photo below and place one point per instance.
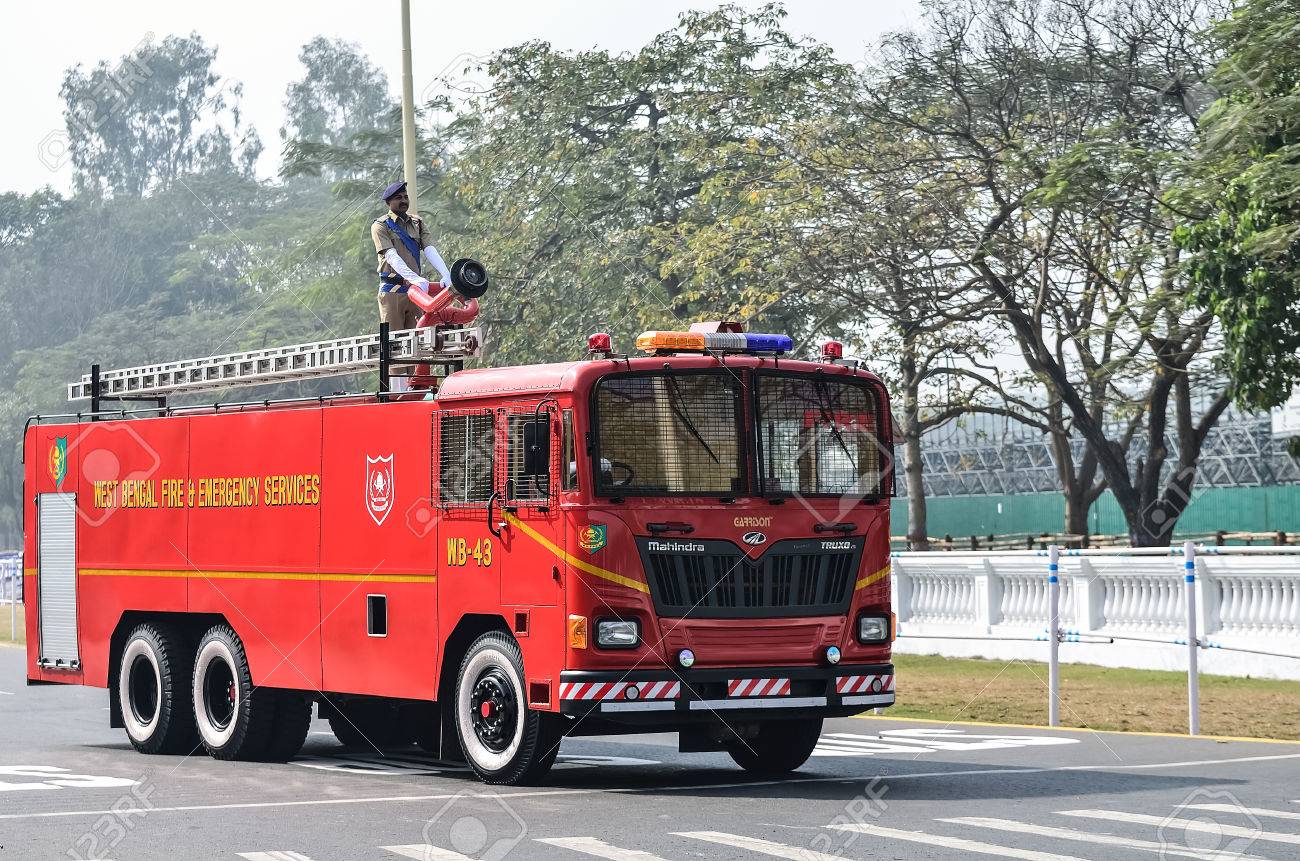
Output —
(258, 45)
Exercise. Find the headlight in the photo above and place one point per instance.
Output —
(618, 633)
(873, 629)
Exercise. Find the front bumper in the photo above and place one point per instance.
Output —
(671, 697)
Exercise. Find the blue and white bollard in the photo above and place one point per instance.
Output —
(1193, 677)
(1053, 636)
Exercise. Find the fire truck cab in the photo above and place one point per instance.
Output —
(691, 540)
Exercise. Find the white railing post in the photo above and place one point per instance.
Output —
(1193, 679)
(1053, 636)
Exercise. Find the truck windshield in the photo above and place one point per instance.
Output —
(669, 433)
(818, 437)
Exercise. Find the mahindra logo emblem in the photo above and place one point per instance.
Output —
(753, 538)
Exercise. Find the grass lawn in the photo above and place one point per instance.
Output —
(940, 688)
(5, 636)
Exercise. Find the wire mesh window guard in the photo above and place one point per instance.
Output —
(819, 436)
(466, 458)
(669, 433)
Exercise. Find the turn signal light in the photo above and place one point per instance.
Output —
(577, 632)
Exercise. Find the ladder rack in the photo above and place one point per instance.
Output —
(442, 348)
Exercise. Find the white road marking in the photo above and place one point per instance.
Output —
(598, 848)
(279, 855)
(1188, 825)
(686, 787)
(766, 847)
(1255, 811)
(955, 843)
(1099, 839)
(924, 740)
(425, 852)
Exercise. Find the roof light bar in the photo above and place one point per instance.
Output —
(728, 342)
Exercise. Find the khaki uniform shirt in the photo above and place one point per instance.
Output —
(384, 239)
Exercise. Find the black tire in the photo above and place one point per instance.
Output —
(780, 746)
(370, 725)
(153, 686)
(289, 727)
(233, 718)
(504, 741)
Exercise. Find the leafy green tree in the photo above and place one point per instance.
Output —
(578, 171)
(1242, 225)
(340, 95)
(159, 113)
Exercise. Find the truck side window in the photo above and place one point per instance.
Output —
(568, 453)
(528, 456)
(466, 458)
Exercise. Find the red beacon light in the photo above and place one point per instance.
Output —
(599, 344)
(832, 350)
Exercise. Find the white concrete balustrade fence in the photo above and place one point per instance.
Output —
(956, 603)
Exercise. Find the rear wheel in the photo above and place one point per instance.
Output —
(370, 724)
(779, 747)
(289, 726)
(505, 742)
(234, 719)
(153, 690)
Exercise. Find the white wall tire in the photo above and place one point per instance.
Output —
(234, 719)
(152, 690)
(504, 741)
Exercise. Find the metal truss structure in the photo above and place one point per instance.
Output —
(982, 454)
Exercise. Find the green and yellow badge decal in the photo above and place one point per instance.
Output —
(58, 461)
(592, 537)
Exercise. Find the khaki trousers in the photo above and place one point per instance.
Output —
(399, 312)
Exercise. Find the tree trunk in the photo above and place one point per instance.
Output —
(916, 511)
(912, 466)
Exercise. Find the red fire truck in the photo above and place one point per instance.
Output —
(689, 540)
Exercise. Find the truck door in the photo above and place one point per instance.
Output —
(532, 542)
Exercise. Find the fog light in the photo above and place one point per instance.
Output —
(832, 654)
(876, 685)
(873, 629)
(632, 692)
(686, 658)
(618, 633)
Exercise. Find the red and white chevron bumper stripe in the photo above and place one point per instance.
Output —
(659, 690)
(863, 684)
(620, 690)
(758, 687)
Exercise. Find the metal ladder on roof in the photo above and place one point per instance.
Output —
(443, 349)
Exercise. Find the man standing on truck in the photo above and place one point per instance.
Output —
(401, 240)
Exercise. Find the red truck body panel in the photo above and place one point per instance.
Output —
(272, 518)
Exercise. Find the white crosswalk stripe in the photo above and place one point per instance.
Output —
(274, 856)
(425, 852)
(766, 847)
(993, 849)
(1098, 839)
(1205, 827)
(599, 848)
(1253, 811)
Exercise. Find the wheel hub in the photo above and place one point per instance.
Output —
(494, 710)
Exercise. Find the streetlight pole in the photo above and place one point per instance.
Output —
(408, 110)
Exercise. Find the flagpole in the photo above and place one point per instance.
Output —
(408, 110)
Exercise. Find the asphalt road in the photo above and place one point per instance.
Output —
(70, 787)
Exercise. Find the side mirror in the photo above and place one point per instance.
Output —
(537, 448)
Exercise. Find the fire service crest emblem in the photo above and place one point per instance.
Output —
(379, 487)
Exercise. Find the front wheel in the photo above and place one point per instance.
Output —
(505, 742)
(778, 748)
